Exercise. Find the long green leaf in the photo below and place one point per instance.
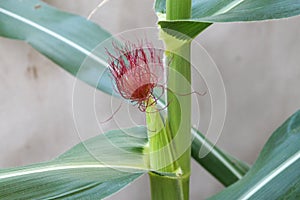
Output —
(93, 169)
(224, 167)
(67, 40)
(210, 11)
(64, 38)
(275, 174)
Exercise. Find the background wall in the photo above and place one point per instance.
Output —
(259, 63)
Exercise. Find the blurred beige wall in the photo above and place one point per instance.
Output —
(259, 62)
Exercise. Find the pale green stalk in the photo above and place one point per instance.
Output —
(173, 181)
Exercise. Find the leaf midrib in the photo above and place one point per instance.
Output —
(66, 167)
(229, 7)
(281, 168)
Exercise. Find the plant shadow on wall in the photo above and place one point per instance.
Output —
(102, 165)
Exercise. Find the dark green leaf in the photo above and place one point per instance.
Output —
(225, 168)
(275, 174)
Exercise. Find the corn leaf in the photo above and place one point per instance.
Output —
(275, 174)
(93, 169)
(205, 12)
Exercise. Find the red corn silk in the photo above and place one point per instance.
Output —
(136, 69)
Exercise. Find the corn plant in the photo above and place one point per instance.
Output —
(131, 71)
